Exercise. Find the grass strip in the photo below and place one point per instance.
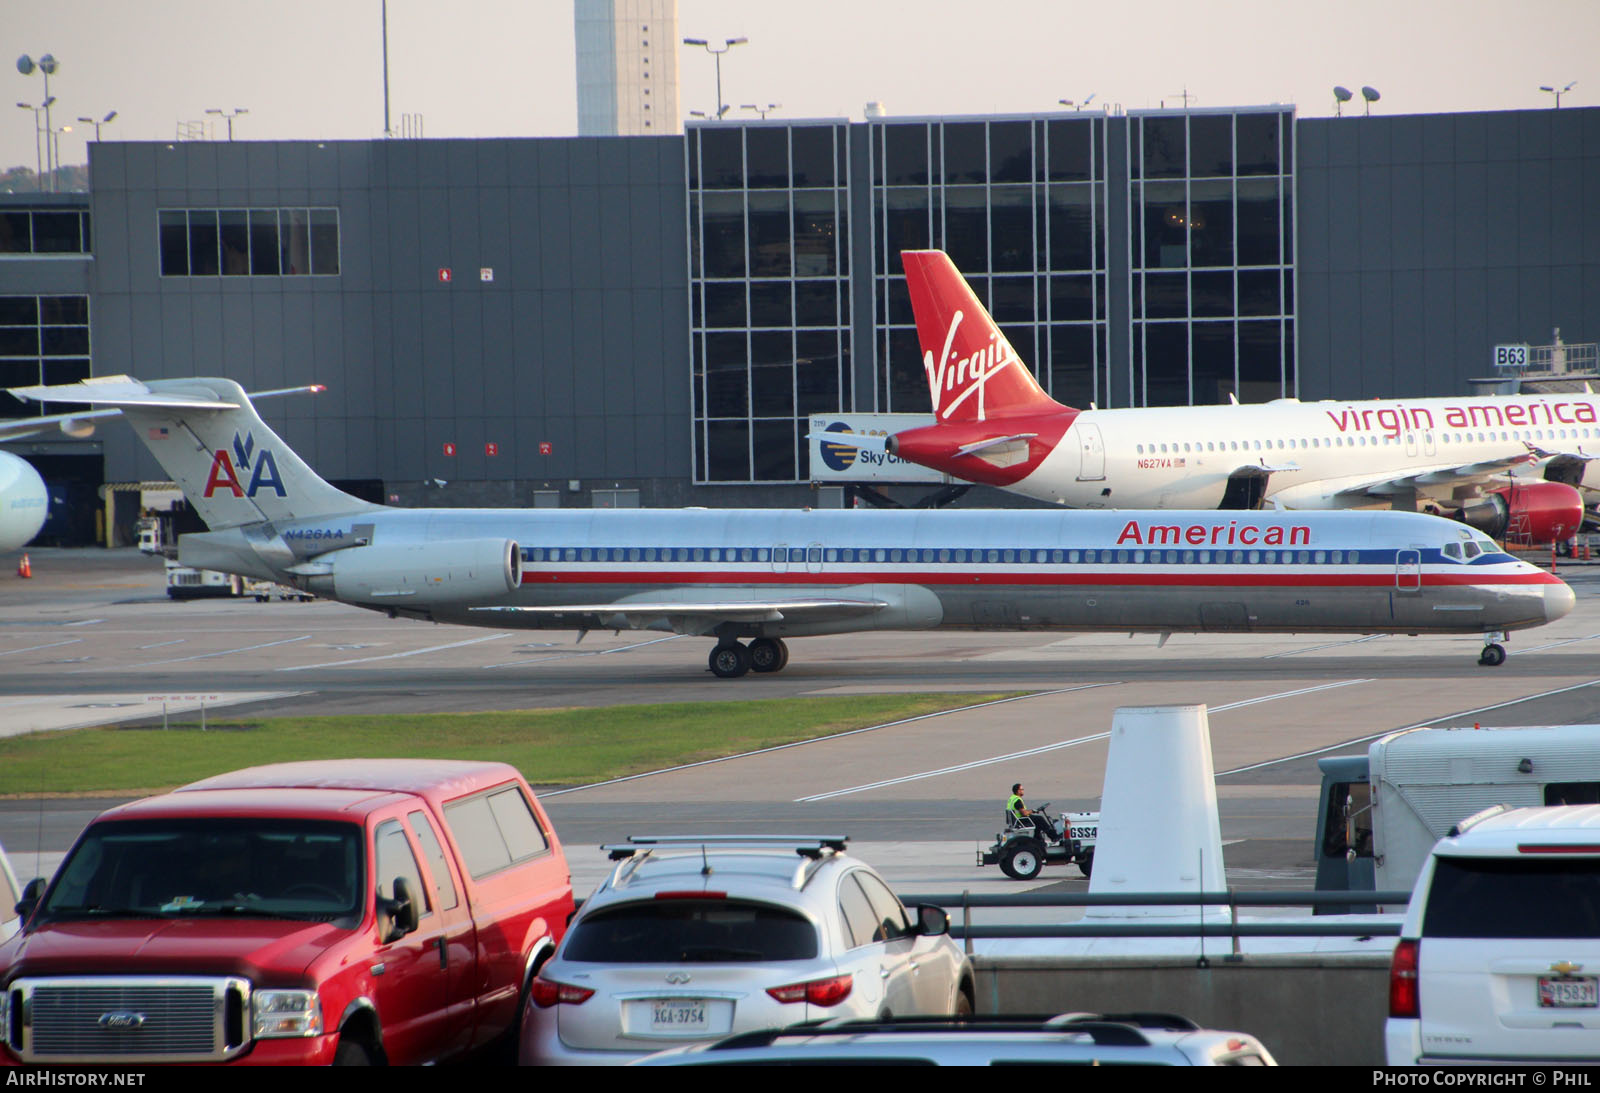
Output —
(550, 747)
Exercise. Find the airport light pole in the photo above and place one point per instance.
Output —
(1558, 92)
(230, 116)
(38, 161)
(727, 44)
(107, 120)
(762, 110)
(46, 66)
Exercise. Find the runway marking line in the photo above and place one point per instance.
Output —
(1056, 746)
(824, 739)
(581, 653)
(221, 652)
(1328, 645)
(393, 656)
(36, 648)
(1419, 725)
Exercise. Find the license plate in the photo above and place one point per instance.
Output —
(1568, 991)
(679, 1015)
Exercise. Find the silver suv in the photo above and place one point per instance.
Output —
(1117, 1039)
(1499, 957)
(694, 938)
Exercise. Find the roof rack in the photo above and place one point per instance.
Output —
(807, 846)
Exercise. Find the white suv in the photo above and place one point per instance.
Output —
(694, 938)
(1499, 957)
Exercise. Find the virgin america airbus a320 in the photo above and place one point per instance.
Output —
(751, 578)
(1515, 467)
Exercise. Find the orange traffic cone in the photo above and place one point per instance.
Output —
(24, 569)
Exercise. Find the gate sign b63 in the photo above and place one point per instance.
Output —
(1511, 356)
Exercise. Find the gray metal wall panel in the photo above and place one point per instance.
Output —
(354, 160)
(406, 270)
(531, 356)
(299, 339)
(522, 237)
(493, 244)
(433, 163)
(1439, 216)
(554, 163)
(1503, 303)
(1502, 228)
(328, 331)
(294, 171)
(1532, 200)
(1408, 341)
(356, 242)
(233, 166)
(237, 355)
(266, 333)
(1473, 211)
(616, 363)
(585, 260)
(587, 317)
(1568, 214)
(437, 336)
(1320, 374)
(493, 162)
(555, 238)
(615, 237)
(1374, 190)
(644, 256)
(465, 359)
(1439, 325)
(322, 170)
(412, 445)
(1406, 204)
(591, 439)
(583, 163)
(1471, 326)
(1376, 336)
(379, 365)
(1344, 338)
(556, 340)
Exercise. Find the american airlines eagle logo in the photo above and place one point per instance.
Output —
(228, 469)
(972, 373)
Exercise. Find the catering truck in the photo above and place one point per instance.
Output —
(350, 911)
(1381, 813)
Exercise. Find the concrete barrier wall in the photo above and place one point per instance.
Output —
(1308, 1009)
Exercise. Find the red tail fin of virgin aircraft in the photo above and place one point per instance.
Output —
(973, 373)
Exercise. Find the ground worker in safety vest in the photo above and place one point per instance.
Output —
(1016, 806)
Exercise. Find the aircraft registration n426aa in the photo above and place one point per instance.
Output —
(752, 578)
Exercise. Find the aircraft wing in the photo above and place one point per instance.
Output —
(702, 616)
(1434, 477)
(78, 425)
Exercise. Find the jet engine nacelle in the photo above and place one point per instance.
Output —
(419, 574)
(1531, 515)
(24, 503)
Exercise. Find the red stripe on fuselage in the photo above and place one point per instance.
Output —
(1292, 579)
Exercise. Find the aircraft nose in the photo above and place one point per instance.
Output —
(1558, 601)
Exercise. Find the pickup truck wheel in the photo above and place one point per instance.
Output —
(1025, 858)
(351, 1053)
(1086, 863)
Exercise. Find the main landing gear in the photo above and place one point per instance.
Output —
(732, 659)
(1494, 654)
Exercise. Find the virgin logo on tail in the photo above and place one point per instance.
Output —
(225, 473)
(973, 371)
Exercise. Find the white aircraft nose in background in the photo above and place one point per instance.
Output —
(24, 504)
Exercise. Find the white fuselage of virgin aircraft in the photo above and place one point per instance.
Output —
(1514, 466)
(764, 575)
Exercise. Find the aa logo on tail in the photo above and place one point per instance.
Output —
(225, 472)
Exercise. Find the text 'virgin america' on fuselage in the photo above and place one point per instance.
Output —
(750, 578)
(1517, 467)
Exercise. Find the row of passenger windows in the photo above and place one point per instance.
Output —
(847, 555)
(1360, 441)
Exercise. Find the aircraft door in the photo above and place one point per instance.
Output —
(780, 558)
(813, 557)
(1093, 447)
(1408, 572)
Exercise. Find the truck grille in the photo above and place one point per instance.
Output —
(164, 1019)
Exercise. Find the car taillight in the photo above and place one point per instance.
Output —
(547, 992)
(819, 992)
(1404, 999)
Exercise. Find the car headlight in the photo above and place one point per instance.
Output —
(277, 1014)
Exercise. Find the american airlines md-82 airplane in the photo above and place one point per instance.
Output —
(1512, 466)
(763, 575)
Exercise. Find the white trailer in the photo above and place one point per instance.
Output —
(1424, 781)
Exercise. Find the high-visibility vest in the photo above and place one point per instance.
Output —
(1014, 805)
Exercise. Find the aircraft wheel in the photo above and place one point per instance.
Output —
(1025, 858)
(1493, 655)
(730, 661)
(768, 655)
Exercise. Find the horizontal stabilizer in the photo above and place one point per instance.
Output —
(980, 445)
(119, 391)
(853, 440)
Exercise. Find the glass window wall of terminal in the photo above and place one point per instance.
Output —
(1020, 207)
(1212, 289)
(45, 231)
(43, 340)
(249, 242)
(769, 301)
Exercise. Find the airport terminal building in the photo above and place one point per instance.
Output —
(653, 319)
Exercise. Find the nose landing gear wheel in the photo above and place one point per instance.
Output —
(768, 655)
(730, 661)
(1493, 655)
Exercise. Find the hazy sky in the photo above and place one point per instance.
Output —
(478, 68)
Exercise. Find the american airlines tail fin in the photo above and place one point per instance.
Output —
(232, 468)
(973, 373)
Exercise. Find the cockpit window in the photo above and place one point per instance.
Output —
(1472, 550)
(1453, 550)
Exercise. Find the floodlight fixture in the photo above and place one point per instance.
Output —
(230, 116)
(727, 44)
(1558, 92)
(1341, 95)
(1371, 95)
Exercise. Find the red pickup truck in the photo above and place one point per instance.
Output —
(351, 911)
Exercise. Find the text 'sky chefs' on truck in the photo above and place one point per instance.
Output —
(350, 911)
